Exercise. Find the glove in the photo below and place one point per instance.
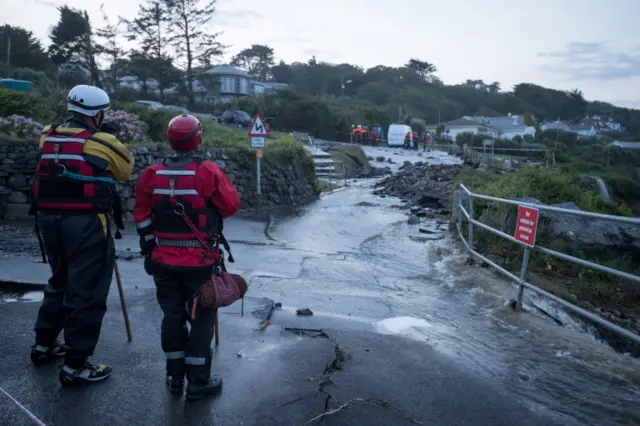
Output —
(147, 244)
(110, 127)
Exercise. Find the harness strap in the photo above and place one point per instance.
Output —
(200, 237)
(77, 176)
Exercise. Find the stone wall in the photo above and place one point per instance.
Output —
(287, 175)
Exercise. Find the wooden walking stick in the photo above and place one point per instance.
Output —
(217, 329)
(123, 303)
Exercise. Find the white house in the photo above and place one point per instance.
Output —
(463, 125)
(556, 125)
(585, 130)
(625, 144)
(508, 126)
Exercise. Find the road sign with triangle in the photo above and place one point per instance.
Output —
(258, 128)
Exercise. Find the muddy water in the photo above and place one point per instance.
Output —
(365, 263)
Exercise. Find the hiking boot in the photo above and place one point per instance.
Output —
(43, 354)
(198, 390)
(89, 373)
(175, 385)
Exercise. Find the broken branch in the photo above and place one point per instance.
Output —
(374, 401)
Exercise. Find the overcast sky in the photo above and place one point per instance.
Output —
(593, 45)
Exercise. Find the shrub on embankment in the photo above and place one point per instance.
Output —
(609, 244)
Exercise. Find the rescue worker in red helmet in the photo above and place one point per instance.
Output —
(178, 202)
(73, 194)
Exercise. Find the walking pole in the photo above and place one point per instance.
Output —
(122, 301)
(217, 329)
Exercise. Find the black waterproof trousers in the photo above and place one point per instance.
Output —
(187, 352)
(81, 254)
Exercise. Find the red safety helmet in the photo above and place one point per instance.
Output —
(184, 133)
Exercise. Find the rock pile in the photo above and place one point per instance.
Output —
(369, 172)
(423, 185)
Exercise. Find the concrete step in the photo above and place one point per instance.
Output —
(323, 161)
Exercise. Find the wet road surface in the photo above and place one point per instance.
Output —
(427, 333)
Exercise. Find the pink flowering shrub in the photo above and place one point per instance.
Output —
(19, 126)
(132, 129)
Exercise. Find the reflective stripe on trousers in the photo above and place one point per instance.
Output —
(191, 360)
(174, 355)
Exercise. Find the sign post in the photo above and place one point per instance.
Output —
(258, 132)
(526, 229)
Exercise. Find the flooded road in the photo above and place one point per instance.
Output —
(361, 260)
(352, 259)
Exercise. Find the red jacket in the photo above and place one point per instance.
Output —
(210, 183)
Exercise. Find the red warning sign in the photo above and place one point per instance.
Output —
(527, 225)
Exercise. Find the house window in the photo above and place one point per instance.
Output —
(227, 84)
(244, 85)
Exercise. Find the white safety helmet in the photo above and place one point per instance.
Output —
(88, 100)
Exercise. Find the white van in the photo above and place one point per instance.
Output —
(396, 134)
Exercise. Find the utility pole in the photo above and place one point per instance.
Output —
(8, 50)
(341, 86)
(557, 133)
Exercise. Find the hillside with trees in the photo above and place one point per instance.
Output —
(172, 48)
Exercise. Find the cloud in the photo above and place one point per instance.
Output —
(238, 18)
(593, 61)
(47, 3)
(635, 104)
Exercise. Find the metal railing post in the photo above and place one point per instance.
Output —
(470, 223)
(523, 275)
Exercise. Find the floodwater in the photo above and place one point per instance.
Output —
(360, 260)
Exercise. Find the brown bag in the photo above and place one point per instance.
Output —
(220, 291)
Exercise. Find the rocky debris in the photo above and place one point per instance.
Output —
(304, 312)
(422, 185)
(425, 238)
(583, 237)
(368, 172)
(366, 204)
(413, 220)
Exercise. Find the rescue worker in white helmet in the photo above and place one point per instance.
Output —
(73, 196)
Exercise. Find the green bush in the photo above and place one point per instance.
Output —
(550, 187)
(13, 102)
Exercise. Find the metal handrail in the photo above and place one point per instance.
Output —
(521, 280)
(344, 172)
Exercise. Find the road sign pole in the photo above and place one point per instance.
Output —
(258, 173)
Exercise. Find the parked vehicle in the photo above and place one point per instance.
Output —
(397, 133)
(237, 118)
(180, 109)
(149, 104)
(19, 85)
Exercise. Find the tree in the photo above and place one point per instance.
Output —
(423, 69)
(72, 42)
(577, 105)
(26, 50)
(256, 61)
(111, 47)
(282, 72)
(187, 22)
(150, 28)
